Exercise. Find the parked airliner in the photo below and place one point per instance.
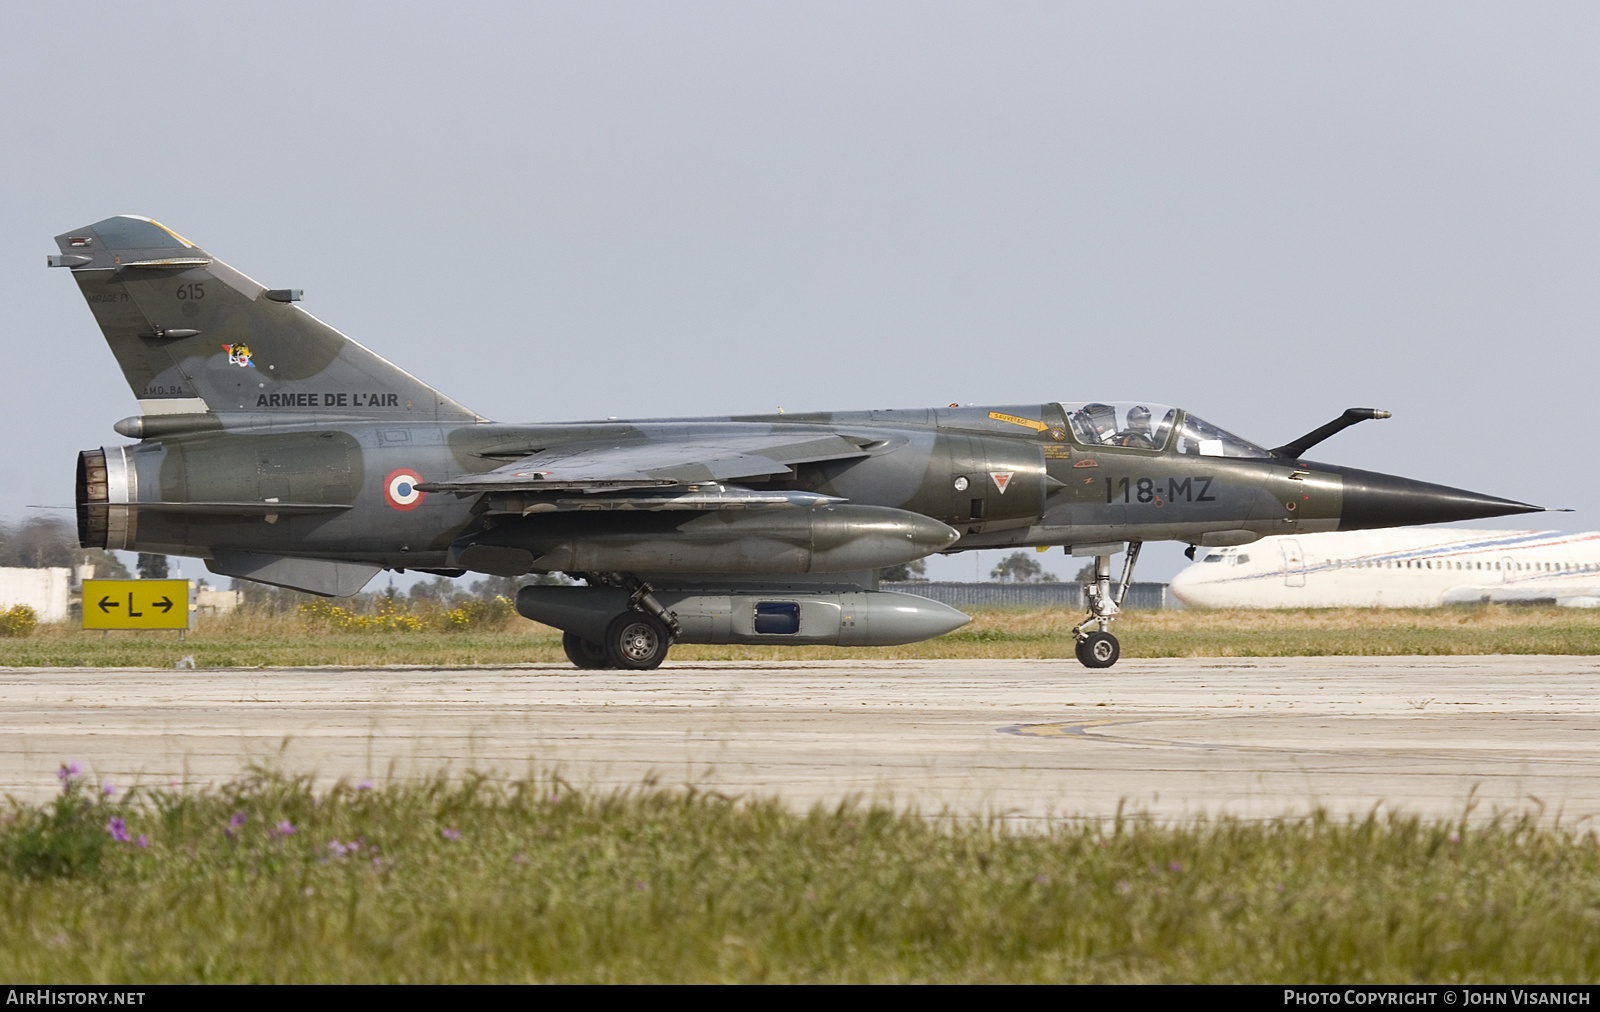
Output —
(1397, 569)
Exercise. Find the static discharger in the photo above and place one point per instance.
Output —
(136, 604)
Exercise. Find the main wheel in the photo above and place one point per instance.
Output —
(584, 653)
(1099, 650)
(637, 641)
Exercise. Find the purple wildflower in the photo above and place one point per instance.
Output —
(340, 849)
(108, 789)
(1175, 866)
(66, 773)
(519, 859)
(118, 830)
(1455, 837)
(237, 821)
(1124, 887)
(1043, 880)
(284, 828)
(365, 785)
(450, 834)
(142, 841)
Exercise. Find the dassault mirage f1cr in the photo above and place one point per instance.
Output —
(278, 450)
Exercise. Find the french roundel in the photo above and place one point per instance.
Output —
(400, 489)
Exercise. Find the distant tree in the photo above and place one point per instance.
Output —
(39, 542)
(910, 572)
(1021, 567)
(152, 567)
(506, 586)
(440, 590)
(494, 586)
(106, 566)
(43, 541)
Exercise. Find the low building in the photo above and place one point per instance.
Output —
(46, 591)
(216, 602)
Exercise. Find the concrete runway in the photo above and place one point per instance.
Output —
(1026, 739)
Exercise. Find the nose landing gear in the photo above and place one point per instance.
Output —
(1097, 648)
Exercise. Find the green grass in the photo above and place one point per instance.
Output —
(535, 881)
(291, 640)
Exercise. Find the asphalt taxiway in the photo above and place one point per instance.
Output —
(1175, 738)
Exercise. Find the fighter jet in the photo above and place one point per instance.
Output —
(278, 450)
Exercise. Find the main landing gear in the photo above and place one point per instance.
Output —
(636, 640)
(1097, 648)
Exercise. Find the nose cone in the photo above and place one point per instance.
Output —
(1197, 586)
(845, 538)
(1374, 500)
(894, 619)
(1187, 578)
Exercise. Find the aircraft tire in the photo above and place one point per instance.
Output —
(1098, 650)
(585, 653)
(637, 641)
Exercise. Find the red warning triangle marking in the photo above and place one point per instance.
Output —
(1001, 479)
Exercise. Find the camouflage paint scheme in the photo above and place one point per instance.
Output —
(278, 449)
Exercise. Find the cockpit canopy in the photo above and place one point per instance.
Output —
(1150, 427)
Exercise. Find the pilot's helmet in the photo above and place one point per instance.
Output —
(1139, 418)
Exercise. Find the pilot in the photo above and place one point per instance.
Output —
(1139, 432)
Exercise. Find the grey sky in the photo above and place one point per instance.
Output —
(1263, 212)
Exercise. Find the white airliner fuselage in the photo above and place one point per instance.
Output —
(1417, 568)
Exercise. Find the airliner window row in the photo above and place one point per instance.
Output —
(1539, 567)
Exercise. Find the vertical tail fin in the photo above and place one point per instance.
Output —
(194, 335)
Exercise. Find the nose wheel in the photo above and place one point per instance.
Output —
(1096, 647)
(1099, 650)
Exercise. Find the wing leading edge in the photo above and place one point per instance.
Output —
(660, 464)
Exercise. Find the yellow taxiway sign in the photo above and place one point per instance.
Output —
(136, 604)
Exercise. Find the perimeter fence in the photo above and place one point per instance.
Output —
(1067, 596)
